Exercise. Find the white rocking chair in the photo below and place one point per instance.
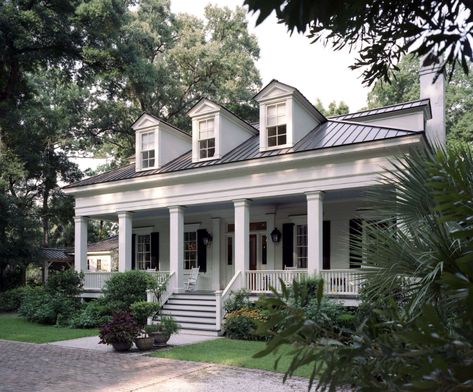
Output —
(192, 280)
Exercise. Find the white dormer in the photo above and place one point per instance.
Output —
(157, 142)
(216, 131)
(286, 116)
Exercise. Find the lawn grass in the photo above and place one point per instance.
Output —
(232, 352)
(13, 327)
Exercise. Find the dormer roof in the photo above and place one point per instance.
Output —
(147, 120)
(276, 89)
(206, 106)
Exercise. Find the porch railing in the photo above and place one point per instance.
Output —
(97, 280)
(261, 281)
(341, 281)
(336, 282)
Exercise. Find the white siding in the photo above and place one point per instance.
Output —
(413, 121)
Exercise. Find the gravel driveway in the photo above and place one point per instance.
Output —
(44, 367)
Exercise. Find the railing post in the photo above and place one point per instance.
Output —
(218, 310)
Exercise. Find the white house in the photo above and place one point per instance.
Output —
(250, 203)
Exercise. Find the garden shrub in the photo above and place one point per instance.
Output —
(42, 307)
(126, 288)
(10, 300)
(92, 314)
(141, 310)
(243, 323)
(68, 283)
(238, 300)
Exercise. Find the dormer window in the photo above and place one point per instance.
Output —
(147, 150)
(276, 125)
(207, 138)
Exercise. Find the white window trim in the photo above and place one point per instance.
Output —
(136, 249)
(196, 248)
(196, 137)
(138, 141)
(295, 256)
(264, 127)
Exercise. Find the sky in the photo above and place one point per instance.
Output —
(317, 71)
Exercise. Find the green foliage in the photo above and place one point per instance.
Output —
(122, 328)
(243, 323)
(10, 300)
(419, 336)
(141, 310)
(404, 86)
(167, 325)
(93, 314)
(68, 283)
(126, 288)
(382, 30)
(40, 306)
(334, 108)
(237, 300)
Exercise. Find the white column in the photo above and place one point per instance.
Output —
(125, 230)
(80, 243)
(314, 232)
(176, 243)
(216, 242)
(242, 235)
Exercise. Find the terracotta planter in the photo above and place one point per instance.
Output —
(121, 346)
(144, 343)
(160, 339)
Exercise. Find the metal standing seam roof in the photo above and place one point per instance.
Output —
(332, 133)
(384, 110)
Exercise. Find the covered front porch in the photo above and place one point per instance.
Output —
(244, 243)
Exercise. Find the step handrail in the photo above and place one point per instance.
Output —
(221, 297)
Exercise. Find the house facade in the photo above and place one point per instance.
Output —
(250, 203)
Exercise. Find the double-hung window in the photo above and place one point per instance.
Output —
(207, 138)
(147, 150)
(301, 246)
(276, 124)
(190, 249)
(143, 252)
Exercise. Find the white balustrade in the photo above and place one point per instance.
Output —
(96, 280)
(262, 281)
(341, 281)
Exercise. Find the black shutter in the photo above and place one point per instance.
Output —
(288, 245)
(326, 245)
(155, 251)
(201, 250)
(356, 228)
(133, 251)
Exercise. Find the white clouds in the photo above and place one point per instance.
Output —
(317, 71)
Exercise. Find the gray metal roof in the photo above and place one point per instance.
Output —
(331, 133)
(385, 109)
(56, 254)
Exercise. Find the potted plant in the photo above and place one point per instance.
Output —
(163, 330)
(141, 310)
(120, 331)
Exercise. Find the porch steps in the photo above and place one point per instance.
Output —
(194, 312)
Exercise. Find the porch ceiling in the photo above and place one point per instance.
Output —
(268, 202)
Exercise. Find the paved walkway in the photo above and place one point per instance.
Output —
(92, 342)
(52, 368)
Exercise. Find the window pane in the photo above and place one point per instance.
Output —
(271, 142)
(281, 140)
(272, 132)
(147, 141)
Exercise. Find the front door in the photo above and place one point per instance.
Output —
(253, 251)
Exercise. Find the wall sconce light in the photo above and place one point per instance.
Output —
(206, 238)
(276, 235)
